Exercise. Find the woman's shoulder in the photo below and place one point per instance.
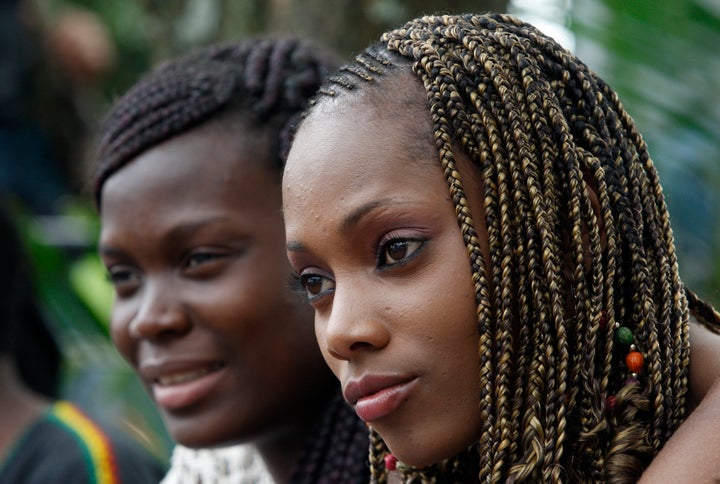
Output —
(704, 360)
(67, 445)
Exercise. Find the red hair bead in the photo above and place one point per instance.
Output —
(390, 462)
(603, 321)
(635, 361)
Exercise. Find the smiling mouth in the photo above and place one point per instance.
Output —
(186, 376)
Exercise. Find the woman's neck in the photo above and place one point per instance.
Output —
(282, 450)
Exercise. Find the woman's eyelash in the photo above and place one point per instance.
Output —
(412, 244)
(295, 282)
(199, 258)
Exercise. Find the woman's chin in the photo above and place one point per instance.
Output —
(189, 433)
(409, 455)
(422, 448)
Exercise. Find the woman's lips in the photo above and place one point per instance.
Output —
(375, 397)
(177, 388)
(186, 376)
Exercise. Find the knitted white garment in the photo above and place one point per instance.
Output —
(237, 464)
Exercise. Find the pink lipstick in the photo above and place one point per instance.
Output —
(375, 397)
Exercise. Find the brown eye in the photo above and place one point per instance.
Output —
(205, 263)
(316, 285)
(397, 251)
(201, 258)
(125, 279)
(313, 285)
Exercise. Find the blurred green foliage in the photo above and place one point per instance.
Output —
(75, 300)
(661, 56)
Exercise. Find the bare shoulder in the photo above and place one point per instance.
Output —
(691, 453)
(704, 361)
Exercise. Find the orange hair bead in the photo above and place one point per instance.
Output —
(635, 361)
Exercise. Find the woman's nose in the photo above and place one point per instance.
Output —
(161, 314)
(354, 326)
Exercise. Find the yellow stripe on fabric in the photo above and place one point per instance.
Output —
(96, 443)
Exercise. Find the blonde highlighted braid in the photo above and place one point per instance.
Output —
(558, 403)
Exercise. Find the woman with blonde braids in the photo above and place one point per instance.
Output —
(561, 351)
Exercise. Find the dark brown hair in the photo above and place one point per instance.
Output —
(264, 81)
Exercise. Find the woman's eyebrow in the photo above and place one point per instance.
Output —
(358, 213)
(108, 251)
(180, 231)
(350, 221)
(295, 246)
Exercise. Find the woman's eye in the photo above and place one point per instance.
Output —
(198, 259)
(119, 276)
(205, 264)
(398, 251)
(124, 279)
(316, 285)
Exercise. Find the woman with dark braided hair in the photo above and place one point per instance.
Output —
(481, 232)
(188, 190)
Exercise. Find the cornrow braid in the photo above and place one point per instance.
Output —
(264, 80)
(566, 278)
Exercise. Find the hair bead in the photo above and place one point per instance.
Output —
(635, 362)
(624, 335)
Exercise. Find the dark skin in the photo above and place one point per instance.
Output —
(691, 453)
(338, 136)
(203, 311)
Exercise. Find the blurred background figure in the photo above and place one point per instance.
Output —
(52, 67)
(44, 438)
(49, 76)
(29, 166)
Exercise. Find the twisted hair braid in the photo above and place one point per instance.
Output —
(547, 135)
(266, 81)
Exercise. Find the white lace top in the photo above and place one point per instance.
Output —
(238, 464)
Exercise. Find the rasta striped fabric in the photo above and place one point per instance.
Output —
(92, 439)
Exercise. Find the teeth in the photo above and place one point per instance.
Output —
(187, 376)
